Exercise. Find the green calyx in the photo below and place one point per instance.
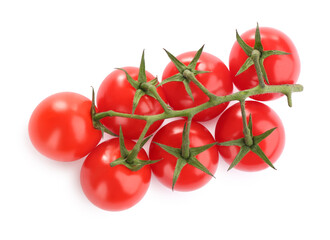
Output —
(129, 158)
(246, 148)
(186, 73)
(186, 155)
(96, 123)
(182, 161)
(142, 79)
(142, 86)
(256, 56)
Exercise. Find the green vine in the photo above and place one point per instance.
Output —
(187, 74)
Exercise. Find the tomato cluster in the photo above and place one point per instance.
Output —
(183, 154)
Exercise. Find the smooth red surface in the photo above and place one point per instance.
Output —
(190, 177)
(280, 69)
(113, 188)
(61, 128)
(116, 93)
(217, 81)
(230, 127)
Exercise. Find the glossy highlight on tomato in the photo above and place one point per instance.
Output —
(190, 177)
(280, 69)
(217, 81)
(61, 127)
(230, 127)
(116, 93)
(113, 188)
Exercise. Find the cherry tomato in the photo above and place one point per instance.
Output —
(230, 127)
(280, 69)
(190, 177)
(116, 93)
(61, 127)
(217, 81)
(113, 188)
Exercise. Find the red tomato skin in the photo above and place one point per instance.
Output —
(61, 127)
(116, 93)
(113, 188)
(190, 177)
(230, 127)
(217, 81)
(280, 69)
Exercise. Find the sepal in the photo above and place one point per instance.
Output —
(197, 150)
(259, 48)
(175, 78)
(125, 159)
(141, 85)
(188, 89)
(257, 139)
(245, 149)
(137, 96)
(191, 160)
(247, 64)
(246, 48)
(133, 83)
(96, 123)
(257, 150)
(142, 78)
(238, 142)
(180, 163)
(179, 65)
(123, 150)
(176, 152)
(242, 152)
(192, 65)
(135, 166)
(180, 77)
(257, 40)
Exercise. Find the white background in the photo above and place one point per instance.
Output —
(52, 46)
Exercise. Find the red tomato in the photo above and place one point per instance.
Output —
(113, 188)
(230, 127)
(217, 81)
(280, 69)
(116, 93)
(190, 177)
(61, 127)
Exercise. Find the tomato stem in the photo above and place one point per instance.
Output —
(153, 90)
(131, 159)
(112, 113)
(185, 152)
(286, 89)
(246, 130)
(135, 164)
(191, 77)
(256, 60)
(139, 144)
